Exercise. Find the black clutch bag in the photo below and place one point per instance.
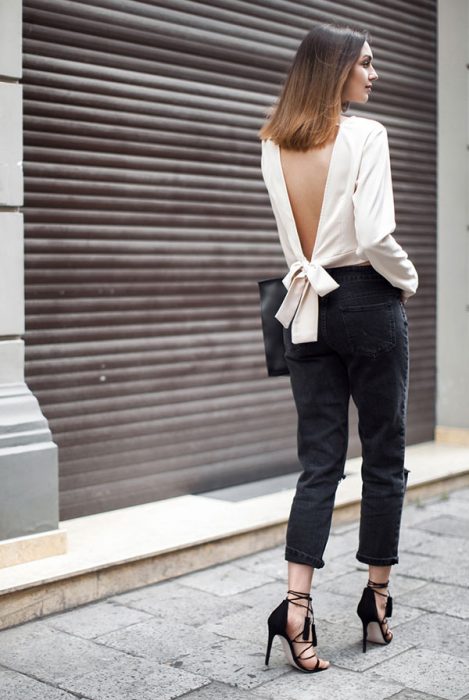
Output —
(272, 293)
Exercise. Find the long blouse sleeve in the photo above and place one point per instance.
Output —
(373, 203)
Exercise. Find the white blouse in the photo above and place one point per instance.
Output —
(355, 224)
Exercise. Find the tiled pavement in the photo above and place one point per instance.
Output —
(203, 636)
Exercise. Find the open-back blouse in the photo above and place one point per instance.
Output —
(355, 224)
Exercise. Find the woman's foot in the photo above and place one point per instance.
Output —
(295, 624)
(374, 608)
(381, 593)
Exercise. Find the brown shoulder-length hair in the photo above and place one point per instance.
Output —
(309, 104)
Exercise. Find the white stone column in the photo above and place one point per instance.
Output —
(28, 455)
(452, 409)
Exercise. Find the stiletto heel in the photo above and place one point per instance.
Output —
(367, 611)
(269, 646)
(365, 627)
(277, 624)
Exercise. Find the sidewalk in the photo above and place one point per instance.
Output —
(203, 635)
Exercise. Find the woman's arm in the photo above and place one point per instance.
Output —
(373, 202)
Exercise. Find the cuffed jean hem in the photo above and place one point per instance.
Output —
(298, 557)
(377, 562)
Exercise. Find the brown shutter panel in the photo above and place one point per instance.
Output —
(148, 225)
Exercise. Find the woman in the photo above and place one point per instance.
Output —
(328, 176)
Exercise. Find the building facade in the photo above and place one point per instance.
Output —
(147, 226)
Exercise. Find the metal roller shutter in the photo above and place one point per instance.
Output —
(148, 224)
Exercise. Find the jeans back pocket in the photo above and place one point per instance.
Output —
(370, 328)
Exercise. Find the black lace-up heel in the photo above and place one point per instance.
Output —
(277, 623)
(367, 611)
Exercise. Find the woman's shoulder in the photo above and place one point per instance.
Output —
(366, 124)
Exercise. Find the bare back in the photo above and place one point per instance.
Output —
(305, 175)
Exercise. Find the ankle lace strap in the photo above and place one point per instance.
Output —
(372, 584)
(300, 594)
(308, 620)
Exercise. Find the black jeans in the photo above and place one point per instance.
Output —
(363, 351)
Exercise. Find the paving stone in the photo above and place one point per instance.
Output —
(408, 694)
(193, 607)
(331, 684)
(352, 583)
(220, 691)
(266, 597)
(414, 513)
(340, 545)
(271, 563)
(442, 497)
(16, 686)
(234, 662)
(437, 673)
(434, 545)
(448, 525)
(334, 568)
(134, 679)
(411, 539)
(90, 621)
(403, 613)
(249, 626)
(225, 579)
(50, 654)
(410, 563)
(154, 589)
(448, 506)
(159, 640)
(344, 528)
(460, 494)
(435, 631)
(341, 644)
(446, 569)
(440, 598)
(331, 607)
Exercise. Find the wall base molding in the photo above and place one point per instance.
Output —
(19, 550)
(452, 436)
